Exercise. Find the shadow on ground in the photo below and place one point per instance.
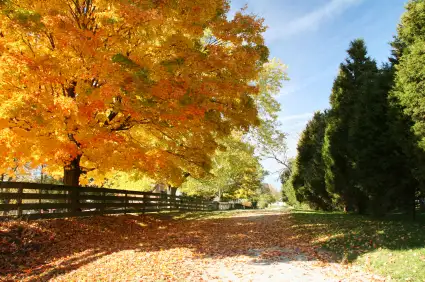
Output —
(45, 249)
(63, 245)
(351, 236)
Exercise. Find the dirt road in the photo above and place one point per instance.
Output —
(238, 246)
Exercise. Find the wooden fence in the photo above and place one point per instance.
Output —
(33, 200)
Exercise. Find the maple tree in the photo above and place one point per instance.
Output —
(93, 86)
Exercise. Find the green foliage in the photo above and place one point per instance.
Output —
(270, 83)
(377, 154)
(236, 172)
(269, 140)
(407, 103)
(367, 162)
(266, 195)
(288, 191)
(289, 194)
(308, 178)
(409, 87)
(410, 73)
(412, 26)
(403, 155)
(361, 154)
(355, 79)
(264, 200)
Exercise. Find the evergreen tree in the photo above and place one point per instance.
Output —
(406, 100)
(407, 174)
(382, 165)
(410, 70)
(288, 192)
(366, 138)
(355, 79)
(308, 180)
(372, 140)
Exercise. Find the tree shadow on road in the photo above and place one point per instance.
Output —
(75, 242)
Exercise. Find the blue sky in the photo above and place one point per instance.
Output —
(311, 37)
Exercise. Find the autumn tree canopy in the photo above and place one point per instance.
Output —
(92, 86)
(236, 170)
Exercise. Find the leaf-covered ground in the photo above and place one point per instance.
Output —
(393, 247)
(229, 246)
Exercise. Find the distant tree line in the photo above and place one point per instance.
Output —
(366, 153)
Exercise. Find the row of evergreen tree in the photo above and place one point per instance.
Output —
(367, 152)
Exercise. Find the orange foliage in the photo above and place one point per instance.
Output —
(124, 84)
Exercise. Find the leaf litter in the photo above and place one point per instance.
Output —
(246, 246)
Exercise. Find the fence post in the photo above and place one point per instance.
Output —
(125, 203)
(170, 198)
(144, 204)
(19, 199)
(40, 191)
(102, 206)
(74, 199)
(163, 202)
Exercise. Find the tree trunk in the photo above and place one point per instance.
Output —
(172, 190)
(71, 177)
(414, 205)
(72, 172)
(361, 206)
(41, 174)
(5, 190)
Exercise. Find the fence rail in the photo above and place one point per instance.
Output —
(34, 200)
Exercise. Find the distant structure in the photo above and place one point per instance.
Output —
(164, 188)
(160, 187)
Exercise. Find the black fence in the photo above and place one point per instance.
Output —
(33, 200)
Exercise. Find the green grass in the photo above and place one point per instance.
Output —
(394, 246)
